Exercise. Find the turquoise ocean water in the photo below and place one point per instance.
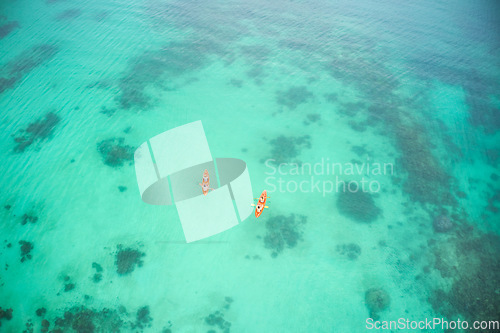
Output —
(414, 85)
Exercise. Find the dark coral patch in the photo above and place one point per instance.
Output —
(174, 60)
(16, 69)
(26, 248)
(97, 267)
(7, 28)
(45, 326)
(5, 314)
(98, 275)
(229, 301)
(41, 312)
(36, 132)
(28, 327)
(107, 112)
(85, 320)
(217, 319)
(122, 188)
(287, 149)
(376, 300)
(69, 287)
(28, 219)
(143, 319)
(358, 205)
(293, 97)
(427, 181)
(283, 232)
(351, 250)
(475, 274)
(114, 152)
(127, 259)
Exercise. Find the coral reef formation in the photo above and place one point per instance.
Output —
(376, 300)
(143, 319)
(287, 149)
(36, 132)
(13, 72)
(5, 314)
(229, 301)
(127, 259)
(427, 181)
(358, 206)
(293, 97)
(98, 272)
(45, 326)
(107, 112)
(29, 327)
(114, 152)
(84, 320)
(217, 319)
(283, 231)
(174, 59)
(69, 287)
(351, 250)
(472, 263)
(41, 312)
(28, 218)
(26, 248)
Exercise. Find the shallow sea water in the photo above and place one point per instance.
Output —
(414, 85)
